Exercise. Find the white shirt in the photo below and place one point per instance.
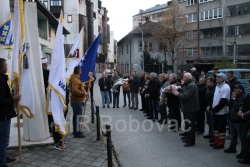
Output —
(221, 91)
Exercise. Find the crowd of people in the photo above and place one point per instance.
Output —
(221, 101)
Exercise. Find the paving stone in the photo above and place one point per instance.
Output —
(96, 164)
(72, 164)
(45, 164)
(67, 158)
(90, 158)
(76, 160)
(100, 160)
(86, 162)
(36, 162)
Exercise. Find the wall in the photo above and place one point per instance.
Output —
(111, 47)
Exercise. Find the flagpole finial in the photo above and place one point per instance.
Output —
(61, 16)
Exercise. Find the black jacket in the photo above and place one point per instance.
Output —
(102, 84)
(152, 89)
(6, 101)
(196, 76)
(172, 100)
(245, 106)
(234, 106)
(209, 96)
(231, 84)
(45, 78)
(202, 89)
(134, 84)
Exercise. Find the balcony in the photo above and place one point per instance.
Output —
(43, 37)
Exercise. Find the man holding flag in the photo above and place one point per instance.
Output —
(6, 111)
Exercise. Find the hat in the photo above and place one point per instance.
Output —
(222, 75)
(215, 68)
(239, 86)
(193, 69)
(44, 60)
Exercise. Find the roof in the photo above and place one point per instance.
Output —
(53, 21)
(146, 28)
(155, 8)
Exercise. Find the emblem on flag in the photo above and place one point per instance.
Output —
(6, 38)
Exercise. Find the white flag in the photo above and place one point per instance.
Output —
(77, 51)
(57, 83)
(26, 88)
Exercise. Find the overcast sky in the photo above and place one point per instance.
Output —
(120, 13)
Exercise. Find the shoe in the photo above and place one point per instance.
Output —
(124, 105)
(149, 118)
(182, 134)
(243, 161)
(58, 146)
(9, 161)
(230, 150)
(79, 136)
(135, 108)
(131, 107)
(108, 106)
(200, 133)
(184, 138)
(65, 142)
(118, 107)
(103, 106)
(160, 121)
(153, 120)
(144, 112)
(113, 106)
(207, 137)
(211, 141)
(240, 156)
(185, 141)
(218, 147)
(188, 145)
(213, 144)
(142, 109)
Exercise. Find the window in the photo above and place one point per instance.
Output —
(191, 52)
(140, 46)
(69, 18)
(203, 1)
(238, 9)
(244, 75)
(232, 30)
(191, 2)
(213, 51)
(181, 0)
(127, 48)
(45, 3)
(192, 18)
(65, 39)
(148, 46)
(211, 33)
(211, 14)
(56, 2)
(241, 50)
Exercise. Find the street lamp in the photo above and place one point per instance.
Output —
(142, 47)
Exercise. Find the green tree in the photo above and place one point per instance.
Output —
(225, 63)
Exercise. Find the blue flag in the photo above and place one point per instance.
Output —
(87, 63)
(6, 38)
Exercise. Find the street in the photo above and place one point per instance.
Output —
(144, 143)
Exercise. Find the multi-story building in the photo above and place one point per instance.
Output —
(153, 14)
(89, 14)
(220, 24)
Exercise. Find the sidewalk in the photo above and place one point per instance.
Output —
(86, 152)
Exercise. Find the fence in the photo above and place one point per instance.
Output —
(110, 147)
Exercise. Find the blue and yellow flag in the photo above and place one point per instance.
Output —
(87, 63)
(6, 38)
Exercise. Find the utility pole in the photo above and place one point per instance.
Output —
(234, 50)
(90, 22)
(142, 48)
(198, 28)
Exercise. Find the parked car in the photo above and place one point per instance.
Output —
(243, 75)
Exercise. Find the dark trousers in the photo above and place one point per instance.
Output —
(50, 120)
(220, 123)
(77, 115)
(174, 114)
(245, 143)
(4, 139)
(163, 112)
(210, 122)
(153, 109)
(56, 136)
(190, 126)
(116, 95)
(236, 131)
(110, 97)
(147, 106)
(200, 121)
(143, 101)
(126, 92)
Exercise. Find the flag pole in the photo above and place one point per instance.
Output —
(85, 105)
(63, 143)
(19, 133)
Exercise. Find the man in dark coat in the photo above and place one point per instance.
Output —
(152, 95)
(104, 85)
(173, 104)
(244, 112)
(189, 105)
(142, 83)
(6, 111)
(195, 74)
(46, 83)
(134, 82)
(231, 80)
(200, 119)
(208, 102)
